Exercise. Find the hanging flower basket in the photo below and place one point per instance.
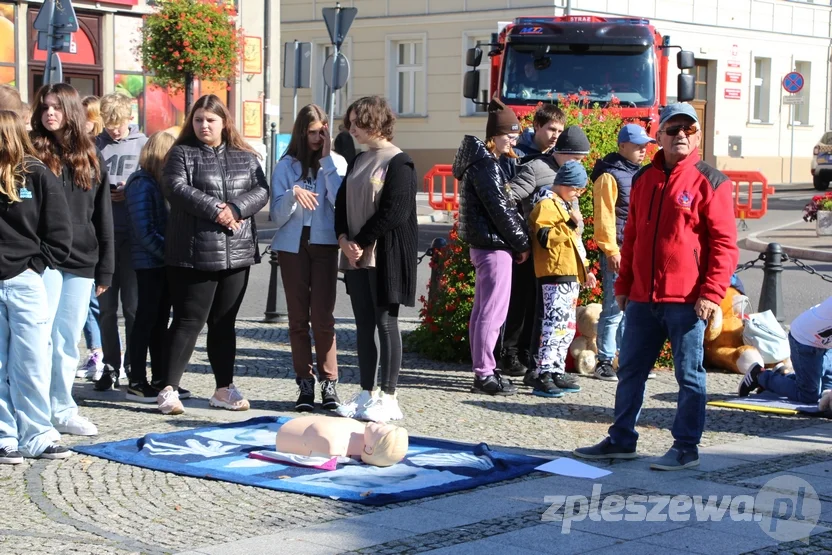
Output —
(191, 39)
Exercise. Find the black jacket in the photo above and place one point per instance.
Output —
(393, 228)
(488, 216)
(196, 179)
(147, 217)
(36, 232)
(93, 246)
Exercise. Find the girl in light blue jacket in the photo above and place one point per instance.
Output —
(304, 186)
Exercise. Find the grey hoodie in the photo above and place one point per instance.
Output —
(122, 159)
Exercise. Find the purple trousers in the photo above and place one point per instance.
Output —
(492, 292)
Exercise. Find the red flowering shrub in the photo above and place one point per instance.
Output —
(191, 39)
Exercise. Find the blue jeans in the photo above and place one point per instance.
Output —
(648, 325)
(69, 301)
(92, 332)
(611, 322)
(24, 365)
(812, 374)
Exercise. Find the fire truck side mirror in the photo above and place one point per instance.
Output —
(471, 85)
(685, 59)
(473, 58)
(685, 85)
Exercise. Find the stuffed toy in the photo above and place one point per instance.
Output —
(584, 348)
(724, 347)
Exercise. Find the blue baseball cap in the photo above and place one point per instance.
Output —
(678, 109)
(634, 133)
(571, 174)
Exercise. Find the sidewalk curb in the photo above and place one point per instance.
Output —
(435, 217)
(753, 243)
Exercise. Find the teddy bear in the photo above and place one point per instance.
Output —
(724, 347)
(584, 349)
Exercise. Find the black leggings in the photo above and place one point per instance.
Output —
(198, 298)
(377, 330)
(150, 327)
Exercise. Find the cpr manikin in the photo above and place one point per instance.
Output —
(375, 443)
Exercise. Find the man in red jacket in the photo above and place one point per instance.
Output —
(679, 251)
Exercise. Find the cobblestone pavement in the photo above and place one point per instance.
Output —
(88, 505)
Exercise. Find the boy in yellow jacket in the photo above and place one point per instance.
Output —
(560, 266)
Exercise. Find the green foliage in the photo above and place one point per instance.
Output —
(195, 38)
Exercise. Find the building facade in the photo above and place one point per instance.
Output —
(413, 53)
(102, 59)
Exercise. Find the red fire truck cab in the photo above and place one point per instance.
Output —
(537, 59)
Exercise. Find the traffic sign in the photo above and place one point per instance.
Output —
(793, 82)
(792, 100)
(341, 76)
(338, 21)
(64, 17)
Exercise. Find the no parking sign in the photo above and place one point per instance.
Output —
(793, 82)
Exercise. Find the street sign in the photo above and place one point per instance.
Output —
(61, 42)
(792, 100)
(341, 76)
(56, 75)
(793, 82)
(297, 65)
(338, 21)
(64, 17)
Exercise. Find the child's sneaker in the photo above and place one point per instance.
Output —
(168, 401)
(92, 369)
(604, 372)
(229, 398)
(750, 381)
(545, 386)
(383, 409)
(358, 403)
(566, 382)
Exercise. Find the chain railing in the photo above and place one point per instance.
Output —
(808, 269)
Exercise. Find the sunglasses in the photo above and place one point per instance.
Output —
(689, 130)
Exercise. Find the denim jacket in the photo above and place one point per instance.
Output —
(287, 214)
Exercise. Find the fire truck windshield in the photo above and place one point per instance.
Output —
(540, 72)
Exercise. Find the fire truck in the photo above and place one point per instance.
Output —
(538, 59)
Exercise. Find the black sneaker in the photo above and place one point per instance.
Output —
(55, 451)
(141, 393)
(566, 382)
(108, 381)
(750, 381)
(306, 399)
(10, 456)
(605, 450)
(512, 366)
(183, 393)
(493, 385)
(329, 397)
(604, 372)
(545, 387)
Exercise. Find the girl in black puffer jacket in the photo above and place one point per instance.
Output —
(214, 184)
(147, 216)
(490, 222)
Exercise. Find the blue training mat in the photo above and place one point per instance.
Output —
(431, 467)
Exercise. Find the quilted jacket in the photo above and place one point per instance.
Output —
(147, 217)
(488, 217)
(196, 179)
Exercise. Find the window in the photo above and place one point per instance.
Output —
(484, 71)
(761, 90)
(8, 44)
(323, 96)
(407, 78)
(801, 111)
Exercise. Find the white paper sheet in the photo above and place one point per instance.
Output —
(573, 468)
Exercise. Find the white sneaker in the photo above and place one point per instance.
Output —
(358, 403)
(384, 409)
(229, 398)
(168, 401)
(77, 426)
(92, 369)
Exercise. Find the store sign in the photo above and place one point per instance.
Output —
(733, 63)
(733, 77)
(733, 94)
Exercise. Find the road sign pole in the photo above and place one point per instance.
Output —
(791, 157)
(50, 15)
(332, 90)
(297, 80)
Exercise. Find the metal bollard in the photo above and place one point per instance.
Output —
(276, 298)
(435, 253)
(771, 292)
